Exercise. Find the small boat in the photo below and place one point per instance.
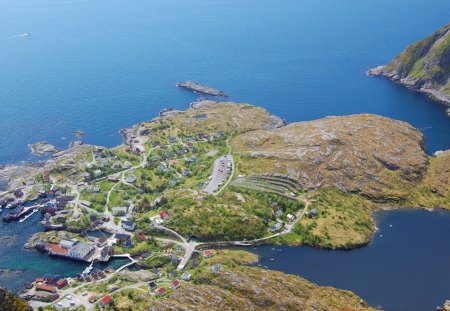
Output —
(23, 35)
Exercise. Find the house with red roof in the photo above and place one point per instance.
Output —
(160, 291)
(61, 283)
(46, 288)
(208, 253)
(175, 284)
(141, 237)
(163, 214)
(105, 301)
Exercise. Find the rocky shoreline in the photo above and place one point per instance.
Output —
(426, 89)
(43, 148)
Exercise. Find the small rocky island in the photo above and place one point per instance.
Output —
(201, 89)
(424, 66)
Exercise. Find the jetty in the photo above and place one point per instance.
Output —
(201, 89)
(29, 215)
(17, 215)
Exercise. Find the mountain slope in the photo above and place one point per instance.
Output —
(9, 302)
(423, 66)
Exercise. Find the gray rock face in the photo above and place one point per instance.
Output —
(43, 148)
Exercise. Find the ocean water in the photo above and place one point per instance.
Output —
(404, 268)
(100, 66)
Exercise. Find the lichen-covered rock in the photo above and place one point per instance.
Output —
(363, 153)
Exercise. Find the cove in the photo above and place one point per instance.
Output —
(19, 265)
(405, 267)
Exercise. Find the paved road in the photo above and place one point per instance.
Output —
(189, 250)
(219, 174)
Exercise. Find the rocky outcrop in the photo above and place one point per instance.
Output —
(424, 66)
(364, 153)
(247, 288)
(201, 89)
(43, 148)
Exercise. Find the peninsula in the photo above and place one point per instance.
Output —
(424, 66)
(185, 186)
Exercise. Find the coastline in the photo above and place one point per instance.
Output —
(432, 93)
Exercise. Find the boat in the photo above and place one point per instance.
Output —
(23, 35)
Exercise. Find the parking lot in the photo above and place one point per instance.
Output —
(221, 170)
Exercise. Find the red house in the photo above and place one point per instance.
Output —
(105, 301)
(141, 238)
(208, 253)
(161, 291)
(61, 283)
(45, 288)
(163, 214)
(175, 285)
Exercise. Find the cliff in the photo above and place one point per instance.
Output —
(423, 66)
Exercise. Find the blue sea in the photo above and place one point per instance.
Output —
(99, 66)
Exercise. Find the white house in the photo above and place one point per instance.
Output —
(80, 250)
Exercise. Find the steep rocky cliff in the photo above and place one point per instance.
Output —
(423, 66)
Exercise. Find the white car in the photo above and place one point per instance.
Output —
(59, 304)
(69, 297)
(84, 293)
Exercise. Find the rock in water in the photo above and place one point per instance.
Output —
(198, 88)
(79, 133)
(42, 148)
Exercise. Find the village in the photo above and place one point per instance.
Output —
(127, 195)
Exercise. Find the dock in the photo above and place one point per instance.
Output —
(29, 215)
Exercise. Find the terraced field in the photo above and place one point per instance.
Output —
(274, 183)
